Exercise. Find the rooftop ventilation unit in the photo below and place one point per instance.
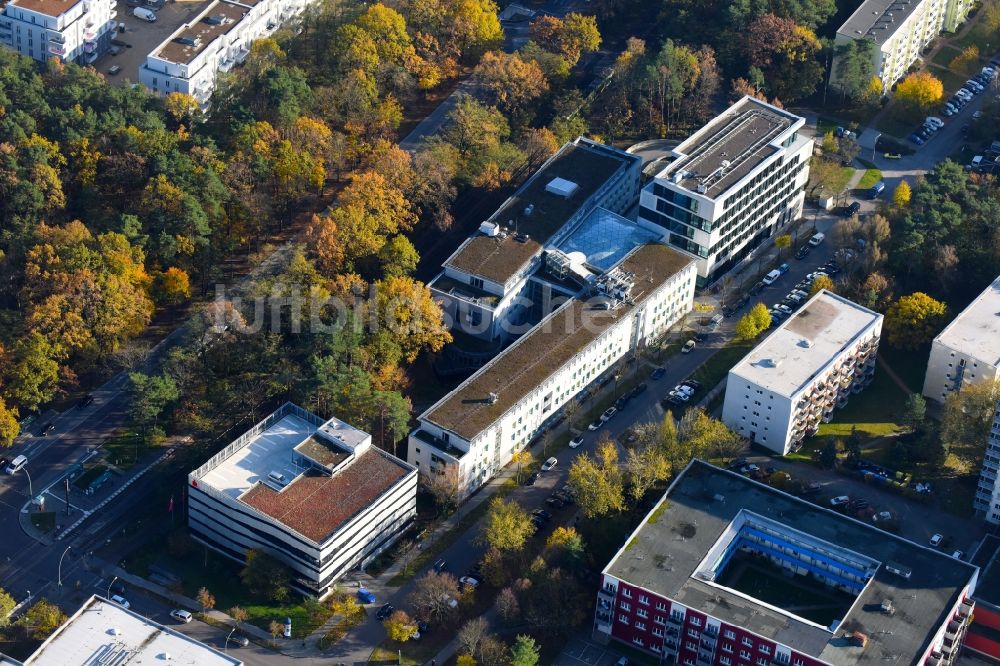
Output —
(490, 229)
(214, 19)
(189, 41)
(768, 363)
(888, 608)
(492, 398)
(677, 176)
(805, 343)
(562, 187)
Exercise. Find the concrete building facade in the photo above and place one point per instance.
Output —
(315, 494)
(812, 363)
(77, 31)
(691, 584)
(967, 351)
(900, 31)
(987, 500)
(731, 185)
(474, 431)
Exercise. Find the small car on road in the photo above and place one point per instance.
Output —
(576, 441)
(840, 500)
(688, 346)
(549, 464)
(936, 540)
(181, 615)
(468, 581)
(385, 611)
(657, 373)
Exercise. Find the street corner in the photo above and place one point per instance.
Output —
(38, 523)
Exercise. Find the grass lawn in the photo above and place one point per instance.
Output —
(896, 122)
(951, 81)
(414, 653)
(201, 567)
(870, 177)
(910, 366)
(123, 450)
(715, 369)
(44, 520)
(978, 35)
(945, 55)
(843, 177)
(875, 412)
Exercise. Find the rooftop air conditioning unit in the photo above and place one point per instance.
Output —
(490, 229)
(562, 187)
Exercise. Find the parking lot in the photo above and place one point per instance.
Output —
(141, 37)
(581, 652)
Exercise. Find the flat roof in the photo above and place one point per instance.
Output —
(587, 164)
(523, 366)
(53, 8)
(104, 632)
(798, 349)
(976, 330)
(329, 471)
(729, 147)
(988, 588)
(200, 33)
(671, 543)
(878, 19)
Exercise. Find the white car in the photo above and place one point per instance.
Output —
(688, 346)
(120, 600)
(683, 388)
(936, 540)
(549, 464)
(840, 500)
(935, 121)
(468, 581)
(678, 395)
(181, 615)
(771, 277)
(576, 441)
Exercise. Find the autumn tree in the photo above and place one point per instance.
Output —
(901, 196)
(919, 91)
(471, 635)
(507, 606)
(787, 54)
(754, 322)
(967, 415)
(966, 62)
(782, 242)
(205, 599)
(275, 629)
(507, 82)
(433, 596)
(7, 606)
(10, 427)
(265, 576)
(820, 283)
(173, 285)
(400, 627)
(508, 526)
(570, 37)
(41, 619)
(565, 548)
(597, 481)
(914, 320)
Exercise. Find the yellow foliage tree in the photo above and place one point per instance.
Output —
(967, 61)
(920, 90)
(902, 194)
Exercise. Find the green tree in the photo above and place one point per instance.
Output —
(42, 619)
(915, 411)
(7, 605)
(565, 548)
(914, 320)
(151, 394)
(9, 425)
(855, 68)
(524, 652)
(508, 526)
(782, 242)
(398, 257)
(828, 454)
(400, 627)
(598, 482)
(265, 576)
(968, 415)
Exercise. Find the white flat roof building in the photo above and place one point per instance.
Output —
(77, 31)
(967, 351)
(102, 632)
(315, 494)
(813, 362)
(731, 185)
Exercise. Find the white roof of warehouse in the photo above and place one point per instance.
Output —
(976, 331)
(799, 349)
(101, 631)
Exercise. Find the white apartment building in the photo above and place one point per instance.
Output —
(315, 494)
(987, 500)
(72, 30)
(811, 364)
(483, 287)
(217, 40)
(901, 29)
(733, 184)
(104, 633)
(967, 351)
(474, 431)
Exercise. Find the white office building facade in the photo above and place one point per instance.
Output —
(315, 494)
(812, 364)
(470, 434)
(77, 32)
(987, 500)
(733, 184)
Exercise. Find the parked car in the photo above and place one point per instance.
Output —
(693, 383)
(181, 615)
(120, 600)
(639, 388)
(936, 540)
(934, 120)
(917, 139)
(16, 465)
(803, 252)
(771, 277)
(840, 500)
(958, 555)
(549, 464)
(530, 481)
(678, 396)
(85, 401)
(609, 413)
(596, 425)
(852, 209)
(468, 581)
(688, 346)
(365, 596)
(46, 429)
(114, 70)
(657, 373)
(576, 441)
(542, 513)
(783, 308)
(385, 611)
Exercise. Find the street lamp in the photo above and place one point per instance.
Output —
(60, 563)
(108, 596)
(31, 493)
(878, 135)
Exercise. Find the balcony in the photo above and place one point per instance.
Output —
(56, 37)
(608, 592)
(57, 49)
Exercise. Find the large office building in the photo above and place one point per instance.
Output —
(967, 351)
(900, 30)
(474, 431)
(987, 500)
(77, 31)
(216, 40)
(733, 184)
(103, 633)
(315, 494)
(485, 286)
(726, 571)
(813, 363)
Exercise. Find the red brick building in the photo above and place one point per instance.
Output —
(726, 571)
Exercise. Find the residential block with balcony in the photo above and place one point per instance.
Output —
(987, 500)
(813, 363)
(731, 185)
(79, 31)
(727, 571)
(967, 351)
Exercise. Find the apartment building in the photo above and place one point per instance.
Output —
(733, 184)
(218, 39)
(901, 30)
(484, 285)
(967, 351)
(813, 363)
(313, 493)
(103, 633)
(983, 639)
(726, 571)
(474, 431)
(987, 500)
(77, 31)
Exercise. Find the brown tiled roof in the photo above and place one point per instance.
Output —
(523, 366)
(205, 33)
(497, 259)
(316, 505)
